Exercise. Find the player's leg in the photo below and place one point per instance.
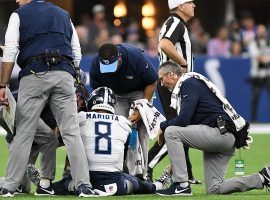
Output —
(144, 141)
(142, 133)
(122, 107)
(135, 186)
(155, 155)
(47, 142)
(29, 106)
(63, 187)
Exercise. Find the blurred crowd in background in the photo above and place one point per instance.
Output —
(241, 37)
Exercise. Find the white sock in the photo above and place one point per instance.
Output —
(184, 184)
(45, 183)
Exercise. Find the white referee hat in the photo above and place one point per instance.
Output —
(174, 3)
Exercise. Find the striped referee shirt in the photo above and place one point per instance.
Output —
(175, 30)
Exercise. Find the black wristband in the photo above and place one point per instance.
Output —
(2, 85)
(184, 66)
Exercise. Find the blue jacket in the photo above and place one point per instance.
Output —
(135, 73)
(199, 105)
(43, 27)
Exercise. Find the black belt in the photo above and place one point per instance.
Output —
(43, 58)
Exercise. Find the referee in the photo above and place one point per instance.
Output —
(174, 45)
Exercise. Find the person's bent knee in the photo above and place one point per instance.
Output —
(213, 190)
(170, 133)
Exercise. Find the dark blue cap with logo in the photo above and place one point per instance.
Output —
(108, 58)
(108, 66)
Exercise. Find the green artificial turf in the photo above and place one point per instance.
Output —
(255, 159)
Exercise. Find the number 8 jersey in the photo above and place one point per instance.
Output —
(104, 136)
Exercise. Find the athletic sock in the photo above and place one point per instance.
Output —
(184, 184)
(45, 183)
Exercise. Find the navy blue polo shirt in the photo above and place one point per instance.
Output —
(199, 105)
(134, 74)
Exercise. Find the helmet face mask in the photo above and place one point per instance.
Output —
(82, 97)
(102, 98)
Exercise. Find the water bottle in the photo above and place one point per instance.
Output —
(239, 167)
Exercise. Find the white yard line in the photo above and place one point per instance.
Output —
(260, 128)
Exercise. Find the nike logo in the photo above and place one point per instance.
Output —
(146, 66)
(179, 191)
(184, 96)
(48, 191)
(19, 190)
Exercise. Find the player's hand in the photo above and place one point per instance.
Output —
(3, 99)
(160, 137)
(135, 116)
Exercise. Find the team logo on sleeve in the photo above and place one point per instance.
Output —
(129, 77)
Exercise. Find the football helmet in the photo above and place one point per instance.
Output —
(102, 98)
(83, 95)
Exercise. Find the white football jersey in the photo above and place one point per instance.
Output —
(104, 136)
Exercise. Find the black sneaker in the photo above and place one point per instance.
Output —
(265, 172)
(21, 190)
(175, 190)
(86, 191)
(6, 193)
(40, 191)
(194, 181)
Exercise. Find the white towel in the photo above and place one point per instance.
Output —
(137, 159)
(150, 115)
(176, 98)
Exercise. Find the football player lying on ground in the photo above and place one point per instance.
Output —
(104, 135)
